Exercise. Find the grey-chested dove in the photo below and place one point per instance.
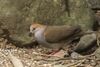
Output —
(54, 37)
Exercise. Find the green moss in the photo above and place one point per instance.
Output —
(17, 15)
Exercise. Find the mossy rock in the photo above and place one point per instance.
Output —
(17, 15)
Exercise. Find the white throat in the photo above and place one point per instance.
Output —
(39, 35)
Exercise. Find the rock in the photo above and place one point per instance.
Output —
(76, 55)
(97, 53)
(86, 42)
(17, 15)
(98, 65)
(1, 31)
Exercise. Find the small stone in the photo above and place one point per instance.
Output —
(85, 42)
(97, 53)
(75, 55)
(93, 63)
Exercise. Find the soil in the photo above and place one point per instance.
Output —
(37, 57)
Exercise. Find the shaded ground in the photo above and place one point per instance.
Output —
(35, 57)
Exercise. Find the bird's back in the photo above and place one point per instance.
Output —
(60, 33)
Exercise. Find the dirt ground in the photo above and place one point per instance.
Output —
(11, 55)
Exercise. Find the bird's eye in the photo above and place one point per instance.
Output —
(33, 28)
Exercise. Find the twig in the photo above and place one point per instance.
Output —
(59, 58)
(45, 55)
(16, 62)
(80, 63)
(97, 36)
(76, 63)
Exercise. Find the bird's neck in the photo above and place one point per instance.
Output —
(39, 35)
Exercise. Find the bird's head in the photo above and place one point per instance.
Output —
(35, 27)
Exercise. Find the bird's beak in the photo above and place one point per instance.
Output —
(30, 34)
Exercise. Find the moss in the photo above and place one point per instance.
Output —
(17, 15)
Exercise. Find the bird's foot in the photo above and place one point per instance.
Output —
(58, 53)
(54, 52)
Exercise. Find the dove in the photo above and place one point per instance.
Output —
(53, 37)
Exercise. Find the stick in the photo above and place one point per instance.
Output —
(15, 61)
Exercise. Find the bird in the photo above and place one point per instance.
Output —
(53, 37)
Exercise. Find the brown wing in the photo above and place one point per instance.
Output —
(55, 34)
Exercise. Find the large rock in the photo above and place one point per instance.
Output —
(17, 15)
(86, 42)
(14, 19)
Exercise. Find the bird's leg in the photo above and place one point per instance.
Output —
(58, 53)
(54, 51)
